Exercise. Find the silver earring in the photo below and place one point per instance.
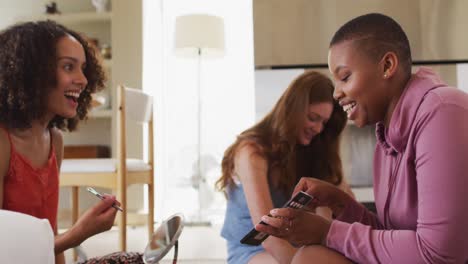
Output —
(385, 75)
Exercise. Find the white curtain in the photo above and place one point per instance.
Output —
(228, 105)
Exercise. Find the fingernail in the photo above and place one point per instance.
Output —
(274, 211)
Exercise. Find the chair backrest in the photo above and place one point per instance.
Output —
(138, 107)
(25, 239)
(138, 104)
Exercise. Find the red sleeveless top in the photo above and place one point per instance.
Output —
(30, 190)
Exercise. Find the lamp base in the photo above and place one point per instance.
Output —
(197, 220)
(198, 224)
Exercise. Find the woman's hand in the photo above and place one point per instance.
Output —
(98, 218)
(297, 226)
(324, 193)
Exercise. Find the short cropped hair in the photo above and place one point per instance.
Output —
(28, 63)
(376, 34)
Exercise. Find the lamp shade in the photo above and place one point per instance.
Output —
(199, 33)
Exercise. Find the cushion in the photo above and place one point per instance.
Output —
(25, 239)
(100, 165)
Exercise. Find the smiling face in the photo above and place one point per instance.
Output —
(359, 84)
(315, 119)
(70, 79)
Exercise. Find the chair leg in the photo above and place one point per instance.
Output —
(150, 210)
(75, 212)
(123, 230)
(122, 223)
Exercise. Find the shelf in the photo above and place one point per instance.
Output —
(107, 63)
(97, 100)
(82, 17)
(98, 113)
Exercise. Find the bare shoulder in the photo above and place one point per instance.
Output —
(4, 142)
(250, 162)
(250, 152)
(57, 136)
(57, 140)
(4, 160)
(4, 153)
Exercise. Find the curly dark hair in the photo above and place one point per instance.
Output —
(28, 63)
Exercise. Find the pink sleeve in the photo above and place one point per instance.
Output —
(356, 212)
(441, 235)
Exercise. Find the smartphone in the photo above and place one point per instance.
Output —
(100, 196)
(255, 238)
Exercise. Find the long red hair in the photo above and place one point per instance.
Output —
(275, 137)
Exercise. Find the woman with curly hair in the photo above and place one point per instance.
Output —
(298, 138)
(47, 76)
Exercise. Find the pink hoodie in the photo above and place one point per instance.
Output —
(420, 183)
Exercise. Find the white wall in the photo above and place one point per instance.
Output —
(269, 85)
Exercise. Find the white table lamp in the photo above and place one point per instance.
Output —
(199, 36)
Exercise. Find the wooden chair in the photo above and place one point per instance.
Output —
(118, 173)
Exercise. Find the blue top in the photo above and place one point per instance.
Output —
(238, 223)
